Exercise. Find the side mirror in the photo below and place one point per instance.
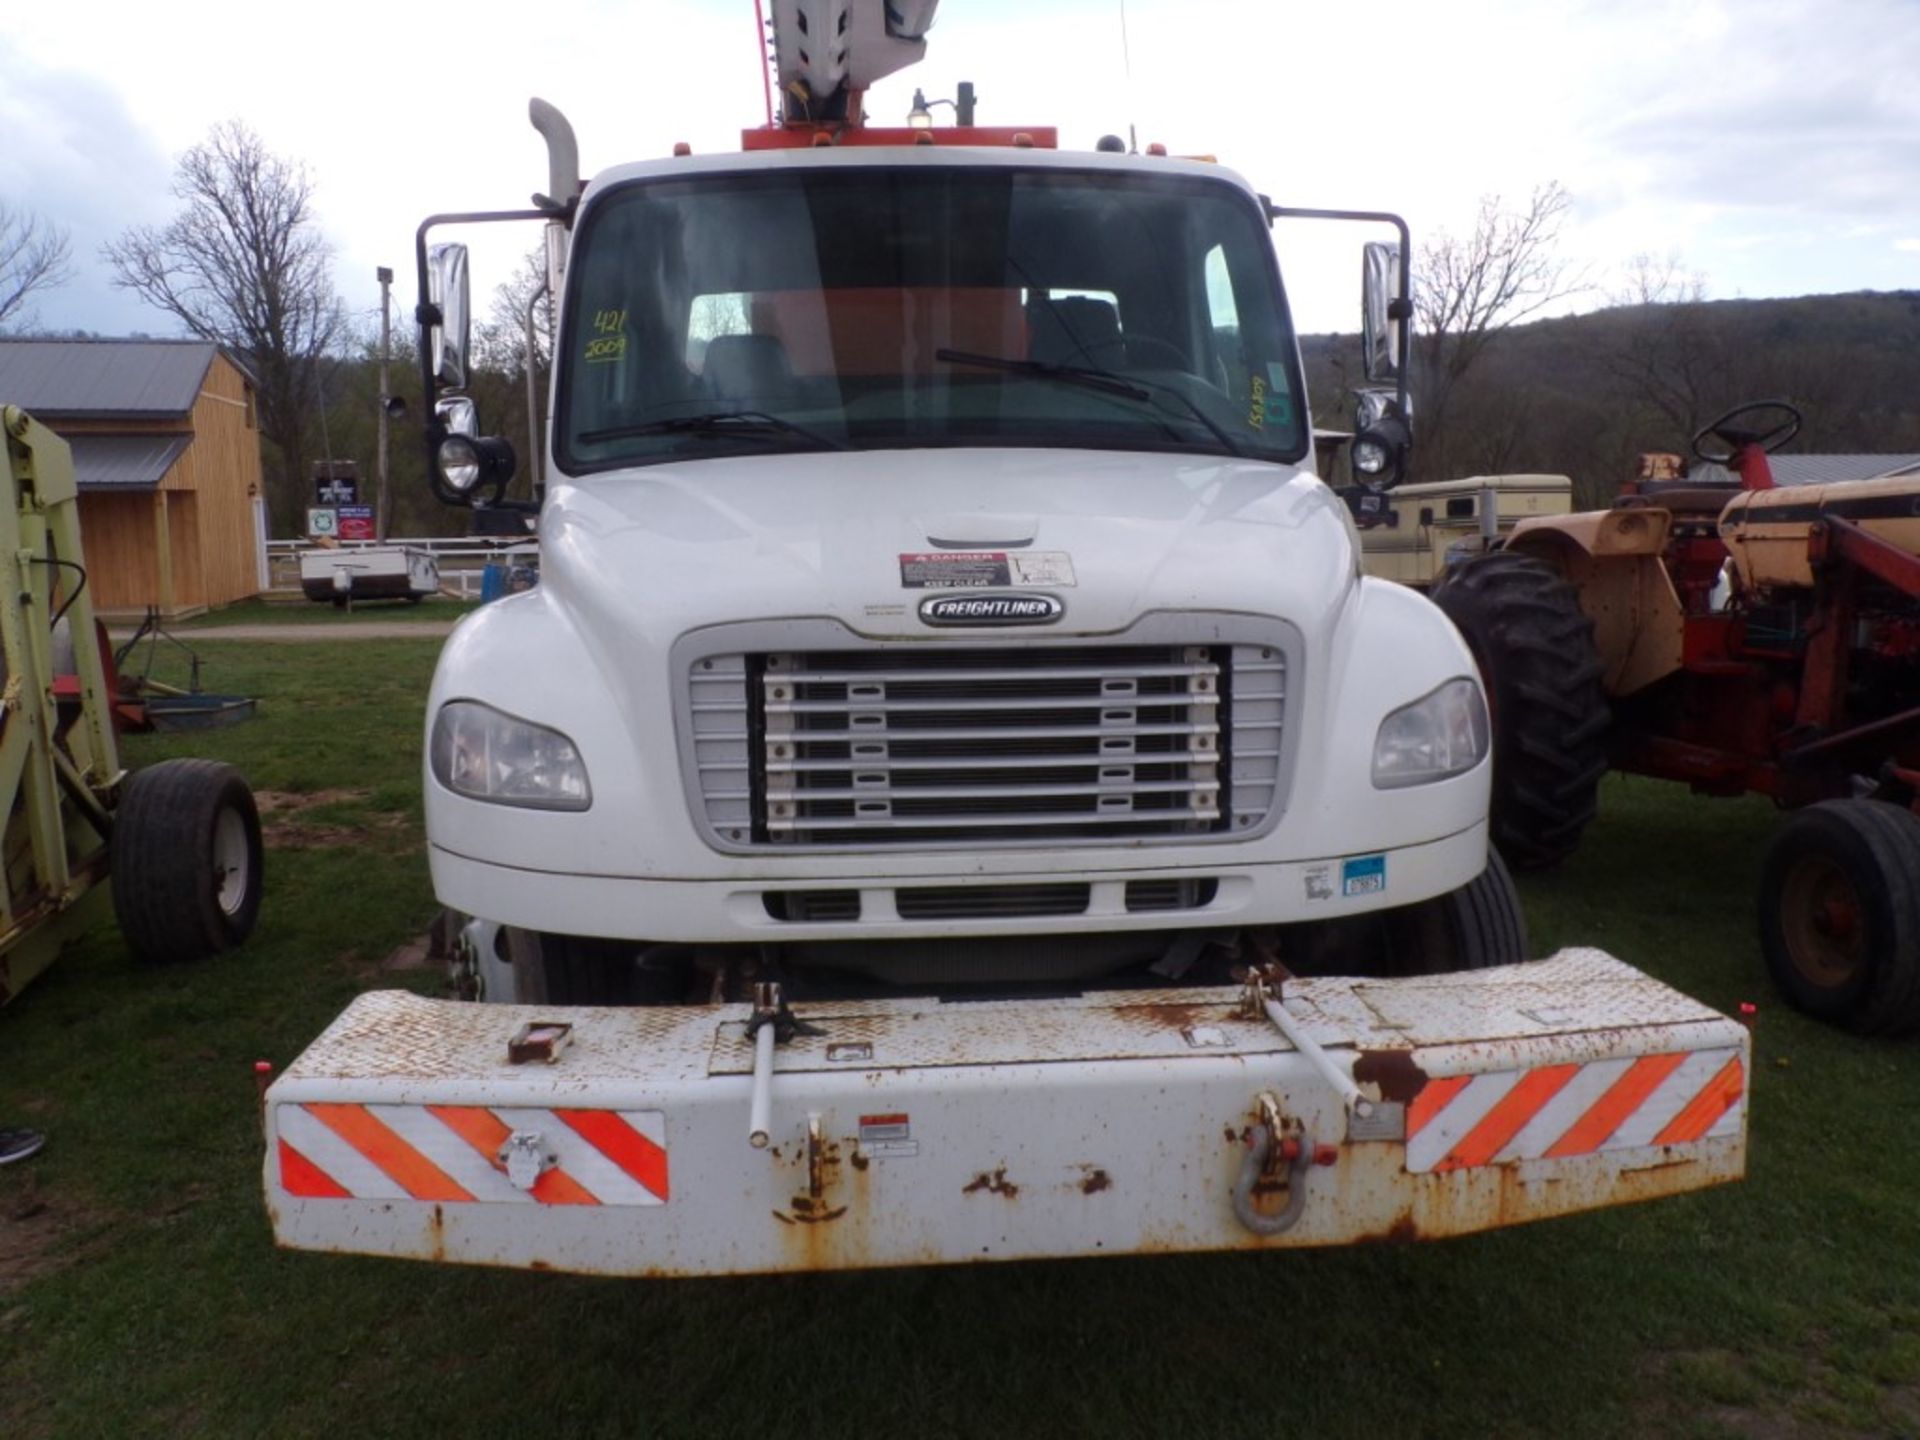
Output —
(449, 341)
(1382, 319)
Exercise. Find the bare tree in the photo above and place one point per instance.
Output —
(1659, 280)
(1667, 354)
(500, 340)
(244, 264)
(33, 257)
(500, 383)
(1469, 289)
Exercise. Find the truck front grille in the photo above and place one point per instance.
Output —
(926, 744)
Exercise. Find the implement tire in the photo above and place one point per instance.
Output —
(1840, 914)
(1542, 674)
(187, 861)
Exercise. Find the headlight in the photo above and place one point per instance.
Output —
(459, 461)
(483, 754)
(1441, 734)
(1370, 457)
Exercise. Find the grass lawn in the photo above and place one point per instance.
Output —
(140, 1293)
(313, 612)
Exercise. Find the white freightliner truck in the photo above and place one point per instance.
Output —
(953, 795)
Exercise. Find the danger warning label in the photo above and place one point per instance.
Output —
(887, 1135)
(982, 569)
(955, 570)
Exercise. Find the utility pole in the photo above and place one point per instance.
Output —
(383, 499)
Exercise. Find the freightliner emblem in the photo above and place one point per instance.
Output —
(1000, 609)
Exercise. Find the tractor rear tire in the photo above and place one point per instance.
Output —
(1537, 659)
(187, 861)
(1840, 914)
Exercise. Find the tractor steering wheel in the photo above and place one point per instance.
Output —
(1739, 437)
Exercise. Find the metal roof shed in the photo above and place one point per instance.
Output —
(1815, 469)
(168, 460)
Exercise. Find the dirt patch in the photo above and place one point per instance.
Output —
(414, 955)
(34, 1234)
(323, 837)
(283, 828)
(1754, 1425)
(291, 802)
(1684, 1383)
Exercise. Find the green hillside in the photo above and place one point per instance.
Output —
(1584, 395)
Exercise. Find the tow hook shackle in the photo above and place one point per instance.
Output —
(1277, 1157)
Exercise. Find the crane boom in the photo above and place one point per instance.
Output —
(827, 52)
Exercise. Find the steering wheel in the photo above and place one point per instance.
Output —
(1146, 352)
(1135, 352)
(1738, 437)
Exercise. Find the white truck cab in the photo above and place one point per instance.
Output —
(953, 794)
(932, 562)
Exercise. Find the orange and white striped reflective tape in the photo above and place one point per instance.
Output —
(1556, 1111)
(451, 1154)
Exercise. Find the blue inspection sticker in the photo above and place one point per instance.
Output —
(1363, 875)
(1279, 400)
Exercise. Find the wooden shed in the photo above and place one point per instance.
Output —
(167, 452)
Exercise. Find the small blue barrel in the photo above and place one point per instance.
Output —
(493, 581)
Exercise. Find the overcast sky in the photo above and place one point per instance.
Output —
(1773, 146)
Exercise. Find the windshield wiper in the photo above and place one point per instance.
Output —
(1109, 382)
(1103, 380)
(746, 424)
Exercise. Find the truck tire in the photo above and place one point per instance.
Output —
(1840, 914)
(1473, 928)
(553, 969)
(1542, 673)
(187, 861)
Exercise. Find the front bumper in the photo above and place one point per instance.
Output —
(911, 1132)
(736, 911)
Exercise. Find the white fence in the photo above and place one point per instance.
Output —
(462, 559)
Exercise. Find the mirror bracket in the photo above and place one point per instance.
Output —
(1399, 305)
(427, 315)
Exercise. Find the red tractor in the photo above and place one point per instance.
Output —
(1738, 636)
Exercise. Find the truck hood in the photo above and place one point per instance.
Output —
(863, 537)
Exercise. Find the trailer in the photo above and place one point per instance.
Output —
(343, 575)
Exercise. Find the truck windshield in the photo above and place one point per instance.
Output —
(925, 306)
